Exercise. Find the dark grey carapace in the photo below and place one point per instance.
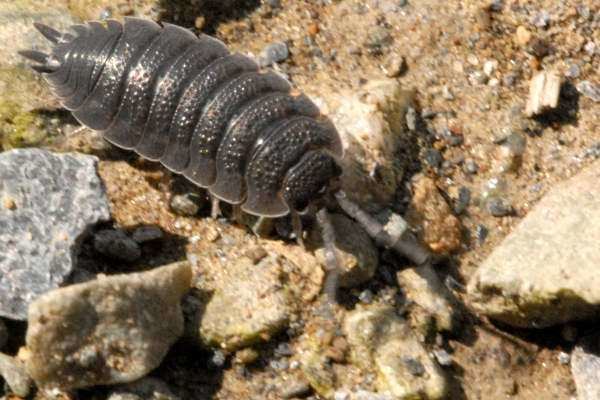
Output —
(201, 111)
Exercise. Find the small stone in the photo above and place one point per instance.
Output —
(144, 389)
(585, 368)
(541, 19)
(573, 71)
(428, 209)
(442, 357)
(110, 330)
(473, 60)
(478, 78)
(540, 48)
(145, 234)
(380, 340)
(489, 67)
(246, 356)
(218, 358)
(341, 395)
(14, 374)
(470, 166)
(414, 366)
(394, 66)
(544, 90)
(499, 207)
(464, 198)
(295, 390)
(590, 90)
(114, 243)
(366, 296)
(200, 22)
(509, 79)
(284, 350)
(434, 158)
(564, 358)
(496, 5)
(523, 36)
(447, 94)
(185, 204)
(57, 199)
(411, 119)
(274, 53)
(481, 233)
(590, 48)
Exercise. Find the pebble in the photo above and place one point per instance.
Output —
(110, 330)
(470, 166)
(443, 357)
(366, 296)
(14, 374)
(585, 368)
(447, 93)
(296, 390)
(341, 395)
(478, 78)
(145, 234)
(115, 244)
(481, 233)
(274, 53)
(434, 158)
(394, 66)
(246, 356)
(541, 19)
(590, 48)
(564, 358)
(284, 350)
(464, 198)
(185, 204)
(54, 201)
(499, 207)
(544, 90)
(411, 119)
(414, 366)
(573, 71)
(218, 358)
(145, 389)
(489, 67)
(590, 90)
(523, 36)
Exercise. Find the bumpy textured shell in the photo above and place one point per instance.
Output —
(201, 111)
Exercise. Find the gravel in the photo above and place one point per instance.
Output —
(590, 90)
(274, 53)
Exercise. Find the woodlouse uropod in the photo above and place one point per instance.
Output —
(213, 116)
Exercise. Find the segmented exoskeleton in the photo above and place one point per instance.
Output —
(203, 112)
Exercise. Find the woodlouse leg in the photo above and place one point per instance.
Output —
(215, 210)
(403, 242)
(331, 261)
(297, 227)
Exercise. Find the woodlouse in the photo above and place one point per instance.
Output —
(215, 117)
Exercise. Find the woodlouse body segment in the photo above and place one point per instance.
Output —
(201, 111)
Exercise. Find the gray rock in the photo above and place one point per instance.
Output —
(185, 204)
(499, 207)
(14, 374)
(380, 340)
(274, 53)
(253, 304)
(112, 330)
(356, 253)
(114, 243)
(589, 89)
(546, 271)
(585, 367)
(49, 201)
(144, 389)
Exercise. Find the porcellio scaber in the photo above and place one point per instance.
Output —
(203, 112)
(215, 117)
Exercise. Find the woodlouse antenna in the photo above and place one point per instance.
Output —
(331, 261)
(405, 243)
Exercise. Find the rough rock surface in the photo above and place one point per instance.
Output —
(48, 201)
(428, 211)
(585, 367)
(356, 252)
(252, 306)
(111, 330)
(144, 389)
(380, 340)
(546, 271)
(15, 376)
(371, 125)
